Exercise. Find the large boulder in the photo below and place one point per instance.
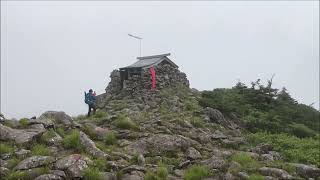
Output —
(47, 123)
(192, 153)
(58, 117)
(21, 136)
(275, 172)
(34, 161)
(215, 116)
(214, 162)
(307, 171)
(160, 143)
(90, 146)
(74, 165)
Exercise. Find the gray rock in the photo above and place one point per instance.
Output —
(275, 172)
(58, 117)
(262, 148)
(178, 172)
(134, 168)
(243, 175)
(48, 177)
(47, 123)
(22, 153)
(56, 140)
(228, 176)
(108, 176)
(141, 160)
(90, 146)
(214, 162)
(3, 163)
(58, 173)
(20, 136)
(307, 171)
(192, 153)
(4, 171)
(34, 161)
(131, 177)
(74, 165)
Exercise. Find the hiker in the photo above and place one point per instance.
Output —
(90, 99)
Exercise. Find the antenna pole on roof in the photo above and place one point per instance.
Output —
(140, 39)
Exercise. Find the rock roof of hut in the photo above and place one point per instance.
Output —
(148, 61)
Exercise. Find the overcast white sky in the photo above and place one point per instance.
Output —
(51, 52)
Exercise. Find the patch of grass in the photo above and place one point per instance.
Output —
(256, 177)
(24, 122)
(5, 148)
(134, 159)
(99, 115)
(247, 163)
(171, 161)
(197, 122)
(282, 165)
(294, 149)
(160, 174)
(47, 136)
(18, 175)
(92, 174)
(110, 138)
(124, 122)
(196, 172)
(100, 164)
(40, 150)
(61, 131)
(13, 162)
(89, 130)
(72, 140)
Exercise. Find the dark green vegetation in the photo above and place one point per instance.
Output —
(265, 109)
(273, 116)
(197, 172)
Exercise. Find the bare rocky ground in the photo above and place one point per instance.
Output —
(155, 135)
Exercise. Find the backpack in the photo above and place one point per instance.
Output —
(86, 98)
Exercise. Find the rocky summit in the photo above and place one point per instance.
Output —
(139, 133)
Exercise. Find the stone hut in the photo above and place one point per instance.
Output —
(137, 77)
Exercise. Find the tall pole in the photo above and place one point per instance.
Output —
(140, 39)
(140, 47)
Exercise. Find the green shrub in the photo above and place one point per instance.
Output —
(92, 174)
(123, 122)
(196, 172)
(24, 122)
(256, 177)
(305, 150)
(302, 131)
(197, 122)
(110, 138)
(5, 148)
(246, 161)
(40, 150)
(72, 141)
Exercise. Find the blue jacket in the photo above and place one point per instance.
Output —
(90, 99)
